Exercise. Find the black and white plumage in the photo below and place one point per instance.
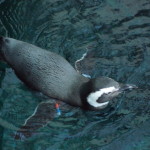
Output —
(52, 75)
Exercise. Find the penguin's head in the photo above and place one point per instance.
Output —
(100, 91)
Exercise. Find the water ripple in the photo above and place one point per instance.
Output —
(117, 35)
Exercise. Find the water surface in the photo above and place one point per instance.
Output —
(117, 32)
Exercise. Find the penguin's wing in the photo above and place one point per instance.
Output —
(43, 113)
(78, 63)
(83, 64)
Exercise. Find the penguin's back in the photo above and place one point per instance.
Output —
(43, 70)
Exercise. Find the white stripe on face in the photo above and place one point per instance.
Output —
(93, 97)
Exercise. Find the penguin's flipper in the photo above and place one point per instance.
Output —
(83, 64)
(43, 113)
(78, 63)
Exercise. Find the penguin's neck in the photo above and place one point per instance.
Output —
(75, 95)
(85, 90)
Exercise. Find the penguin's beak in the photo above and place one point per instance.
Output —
(127, 87)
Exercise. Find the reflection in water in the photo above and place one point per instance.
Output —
(117, 34)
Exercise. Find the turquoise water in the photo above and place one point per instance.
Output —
(117, 32)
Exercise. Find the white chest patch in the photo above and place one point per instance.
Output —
(93, 97)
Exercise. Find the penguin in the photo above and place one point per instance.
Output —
(54, 76)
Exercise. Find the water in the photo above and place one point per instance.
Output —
(117, 33)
